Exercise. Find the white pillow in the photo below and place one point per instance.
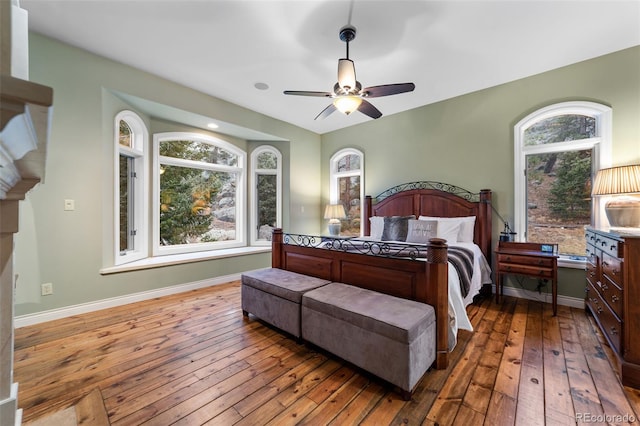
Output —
(448, 230)
(467, 226)
(377, 227)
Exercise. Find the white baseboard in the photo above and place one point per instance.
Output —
(53, 314)
(572, 302)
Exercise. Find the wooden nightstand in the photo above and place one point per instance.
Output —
(528, 259)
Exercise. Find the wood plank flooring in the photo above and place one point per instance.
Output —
(192, 359)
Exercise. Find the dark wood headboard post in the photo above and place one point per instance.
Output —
(277, 258)
(485, 218)
(438, 296)
(368, 211)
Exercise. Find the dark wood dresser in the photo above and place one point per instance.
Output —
(613, 295)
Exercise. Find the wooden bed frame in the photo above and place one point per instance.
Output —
(423, 281)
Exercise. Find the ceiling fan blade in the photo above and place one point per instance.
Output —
(346, 74)
(387, 90)
(367, 109)
(308, 93)
(326, 112)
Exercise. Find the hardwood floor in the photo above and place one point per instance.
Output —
(192, 359)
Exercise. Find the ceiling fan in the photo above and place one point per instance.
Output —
(348, 94)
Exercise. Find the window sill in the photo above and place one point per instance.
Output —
(566, 262)
(178, 259)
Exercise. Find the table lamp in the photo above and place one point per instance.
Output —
(334, 212)
(623, 184)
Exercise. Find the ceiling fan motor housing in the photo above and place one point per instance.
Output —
(347, 33)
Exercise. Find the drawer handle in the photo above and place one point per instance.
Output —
(614, 330)
(599, 309)
(542, 271)
(508, 258)
(604, 287)
(604, 243)
(612, 247)
(605, 263)
(615, 271)
(614, 298)
(592, 274)
(508, 268)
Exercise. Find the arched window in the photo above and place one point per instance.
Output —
(199, 187)
(131, 210)
(558, 150)
(266, 199)
(347, 187)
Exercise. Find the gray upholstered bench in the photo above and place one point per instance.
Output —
(274, 296)
(390, 337)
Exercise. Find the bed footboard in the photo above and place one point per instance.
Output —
(419, 280)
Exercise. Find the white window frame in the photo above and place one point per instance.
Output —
(255, 172)
(241, 171)
(601, 144)
(140, 188)
(335, 176)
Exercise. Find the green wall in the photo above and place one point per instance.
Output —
(468, 140)
(68, 248)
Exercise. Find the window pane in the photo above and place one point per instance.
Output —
(126, 203)
(198, 151)
(267, 160)
(349, 195)
(196, 206)
(267, 205)
(125, 136)
(559, 129)
(559, 199)
(348, 162)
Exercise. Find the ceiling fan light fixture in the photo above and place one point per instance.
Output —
(347, 104)
(346, 75)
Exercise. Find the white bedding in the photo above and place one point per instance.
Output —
(458, 319)
(457, 304)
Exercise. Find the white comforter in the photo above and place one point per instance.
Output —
(458, 318)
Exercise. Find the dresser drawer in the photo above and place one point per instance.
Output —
(592, 269)
(525, 260)
(607, 245)
(612, 268)
(612, 295)
(609, 323)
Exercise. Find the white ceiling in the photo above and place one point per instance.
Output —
(447, 48)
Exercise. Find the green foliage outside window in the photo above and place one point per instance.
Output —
(570, 195)
(188, 196)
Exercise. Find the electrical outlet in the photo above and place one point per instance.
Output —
(69, 205)
(47, 289)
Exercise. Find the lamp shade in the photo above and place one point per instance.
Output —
(334, 211)
(623, 183)
(617, 180)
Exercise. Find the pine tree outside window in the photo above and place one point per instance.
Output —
(266, 205)
(558, 150)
